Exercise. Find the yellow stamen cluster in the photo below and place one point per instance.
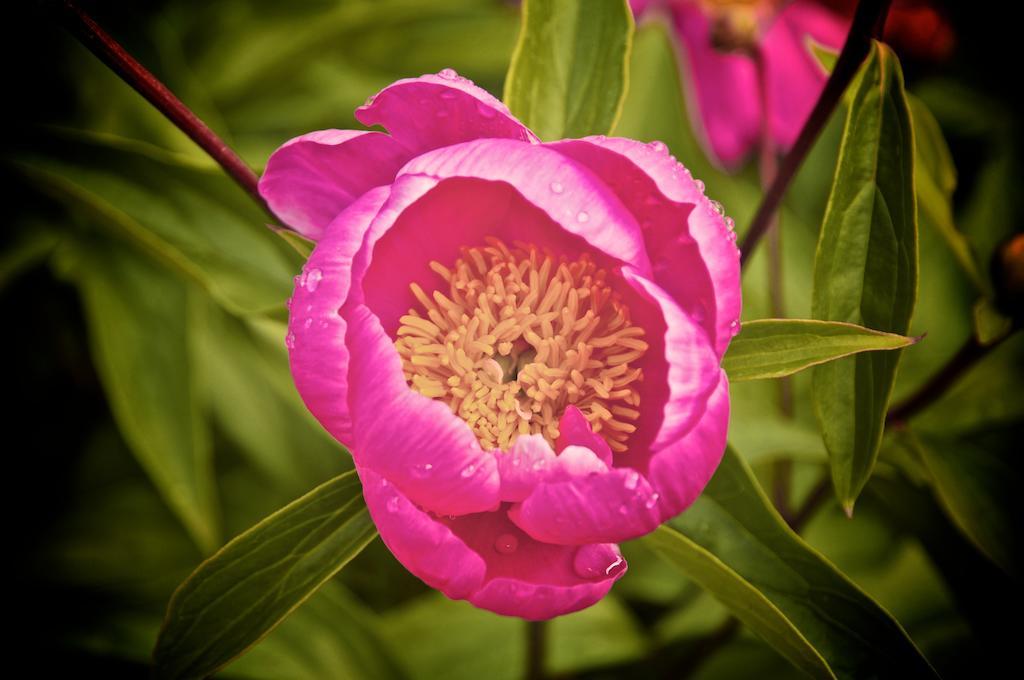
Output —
(517, 338)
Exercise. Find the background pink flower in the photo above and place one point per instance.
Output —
(519, 342)
(720, 46)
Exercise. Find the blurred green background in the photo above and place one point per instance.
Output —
(151, 413)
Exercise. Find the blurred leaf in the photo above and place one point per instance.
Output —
(243, 376)
(254, 582)
(935, 182)
(975, 478)
(734, 544)
(568, 75)
(137, 315)
(989, 323)
(773, 348)
(330, 636)
(34, 246)
(866, 267)
(432, 634)
(192, 220)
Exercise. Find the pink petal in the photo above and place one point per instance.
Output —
(524, 465)
(672, 209)
(413, 441)
(681, 470)
(607, 506)
(794, 76)
(424, 545)
(312, 178)
(531, 579)
(434, 111)
(724, 86)
(575, 430)
(488, 560)
(316, 333)
(687, 363)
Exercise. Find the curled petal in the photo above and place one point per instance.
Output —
(415, 442)
(680, 471)
(312, 178)
(489, 561)
(424, 545)
(574, 430)
(524, 465)
(433, 111)
(656, 205)
(316, 333)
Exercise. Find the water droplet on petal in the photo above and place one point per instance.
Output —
(448, 74)
(582, 216)
(598, 561)
(700, 185)
(369, 100)
(392, 504)
(289, 341)
(506, 544)
(632, 479)
(658, 146)
(422, 470)
(313, 277)
(730, 223)
(468, 470)
(288, 303)
(652, 500)
(623, 509)
(556, 187)
(307, 323)
(718, 207)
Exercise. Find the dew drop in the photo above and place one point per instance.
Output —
(582, 216)
(556, 187)
(506, 544)
(652, 500)
(718, 207)
(289, 341)
(423, 470)
(288, 303)
(700, 185)
(598, 561)
(369, 100)
(307, 323)
(392, 504)
(468, 470)
(732, 236)
(632, 479)
(730, 223)
(623, 509)
(658, 146)
(313, 277)
(448, 74)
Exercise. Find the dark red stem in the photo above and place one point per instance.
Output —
(867, 24)
(110, 52)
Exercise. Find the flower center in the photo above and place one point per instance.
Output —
(517, 337)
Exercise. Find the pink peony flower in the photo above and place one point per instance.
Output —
(519, 342)
(721, 42)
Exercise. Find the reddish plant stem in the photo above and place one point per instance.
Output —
(111, 53)
(867, 24)
(966, 357)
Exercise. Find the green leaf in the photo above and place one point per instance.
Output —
(773, 348)
(734, 544)
(569, 71)
(249, 586)
(435, 637)
(866, 267)
(935, 181)
(192, 220)
(975, 478)
(137, 318)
